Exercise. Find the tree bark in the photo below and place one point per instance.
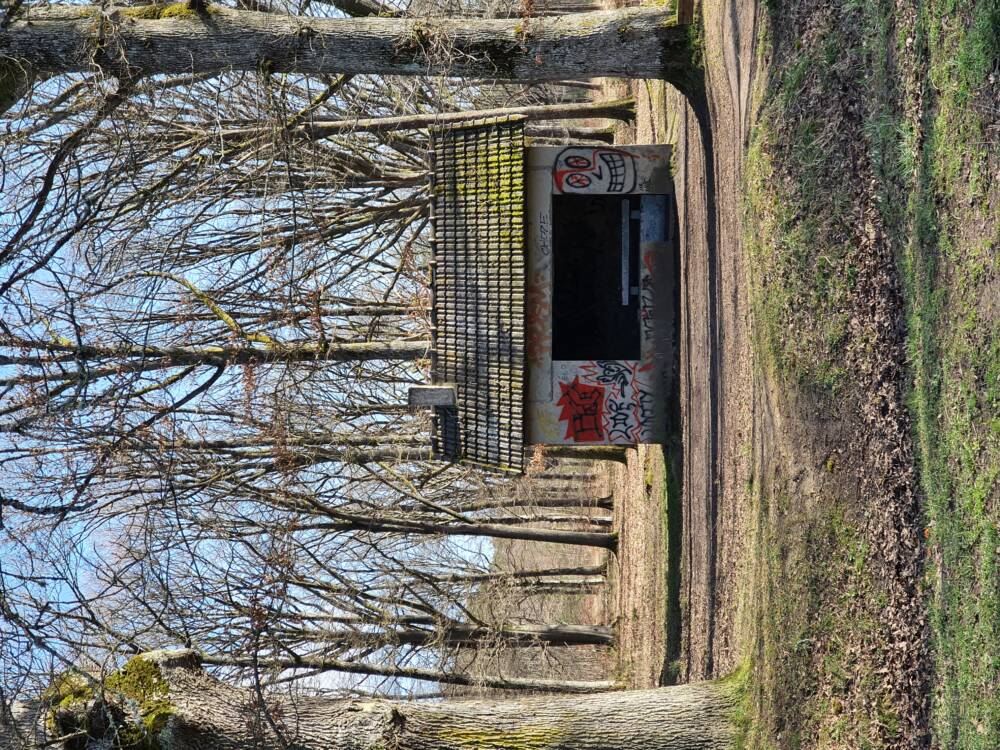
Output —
(586, 571)
(146, 40)
(616, 109)
(471, 635)
(576, 501)
(200, 712)
(442, 677)
(606, 503)
(236, 355)
(606, 540)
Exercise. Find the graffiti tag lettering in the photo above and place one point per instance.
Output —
(582, 409)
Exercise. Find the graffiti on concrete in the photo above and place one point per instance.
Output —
(628, 402)
(580, 169)
(648, 298)
(582, 410)
(538, 322)
(545, 235)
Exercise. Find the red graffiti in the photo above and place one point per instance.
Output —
(582, 407)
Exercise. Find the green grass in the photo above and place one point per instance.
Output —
(955, 350)
(921, 89)
(813, 682)
(798, 190)
(817, 604)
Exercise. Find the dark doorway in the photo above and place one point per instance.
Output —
(595, 296)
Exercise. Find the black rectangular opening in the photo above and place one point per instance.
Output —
(595, 295)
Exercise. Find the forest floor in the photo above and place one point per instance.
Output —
(642, 585)
(841, 367)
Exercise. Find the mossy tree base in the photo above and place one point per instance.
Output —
(164, 701)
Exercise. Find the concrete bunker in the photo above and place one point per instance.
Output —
(553, 294)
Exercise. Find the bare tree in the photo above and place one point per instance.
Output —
(204, 712)
(213, 301)
(184, 39)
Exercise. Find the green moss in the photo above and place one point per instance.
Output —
(137, 694)
(525, 737)
(181, 10)
(145, 12)
(144, 690)
(173, 10)
(67, 689)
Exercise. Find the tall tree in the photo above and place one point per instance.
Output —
(200, 38)
(182, 708)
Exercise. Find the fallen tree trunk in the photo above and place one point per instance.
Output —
(164, 700)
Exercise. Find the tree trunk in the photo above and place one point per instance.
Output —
(588, 570)
(572, 588)
(566, 133)
(187, 710)
(552, 635)
(567, 501)
(606, 540)
(151, 39)
(616, 109)
(469, 635)
(350, 351)
(578, 520)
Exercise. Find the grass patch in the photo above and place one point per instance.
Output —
(906, 102)
(951, 272)
(797, 201)
(826, 133)
(809, 684)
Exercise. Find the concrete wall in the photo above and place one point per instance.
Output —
(597, 402)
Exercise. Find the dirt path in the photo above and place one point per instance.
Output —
(717, 386)
(716, 376)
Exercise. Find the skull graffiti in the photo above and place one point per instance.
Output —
(580, 169)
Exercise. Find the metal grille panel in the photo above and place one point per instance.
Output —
(478, 285)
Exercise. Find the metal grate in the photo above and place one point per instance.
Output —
(478, 282)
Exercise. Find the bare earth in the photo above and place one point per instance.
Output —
(718, 393)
